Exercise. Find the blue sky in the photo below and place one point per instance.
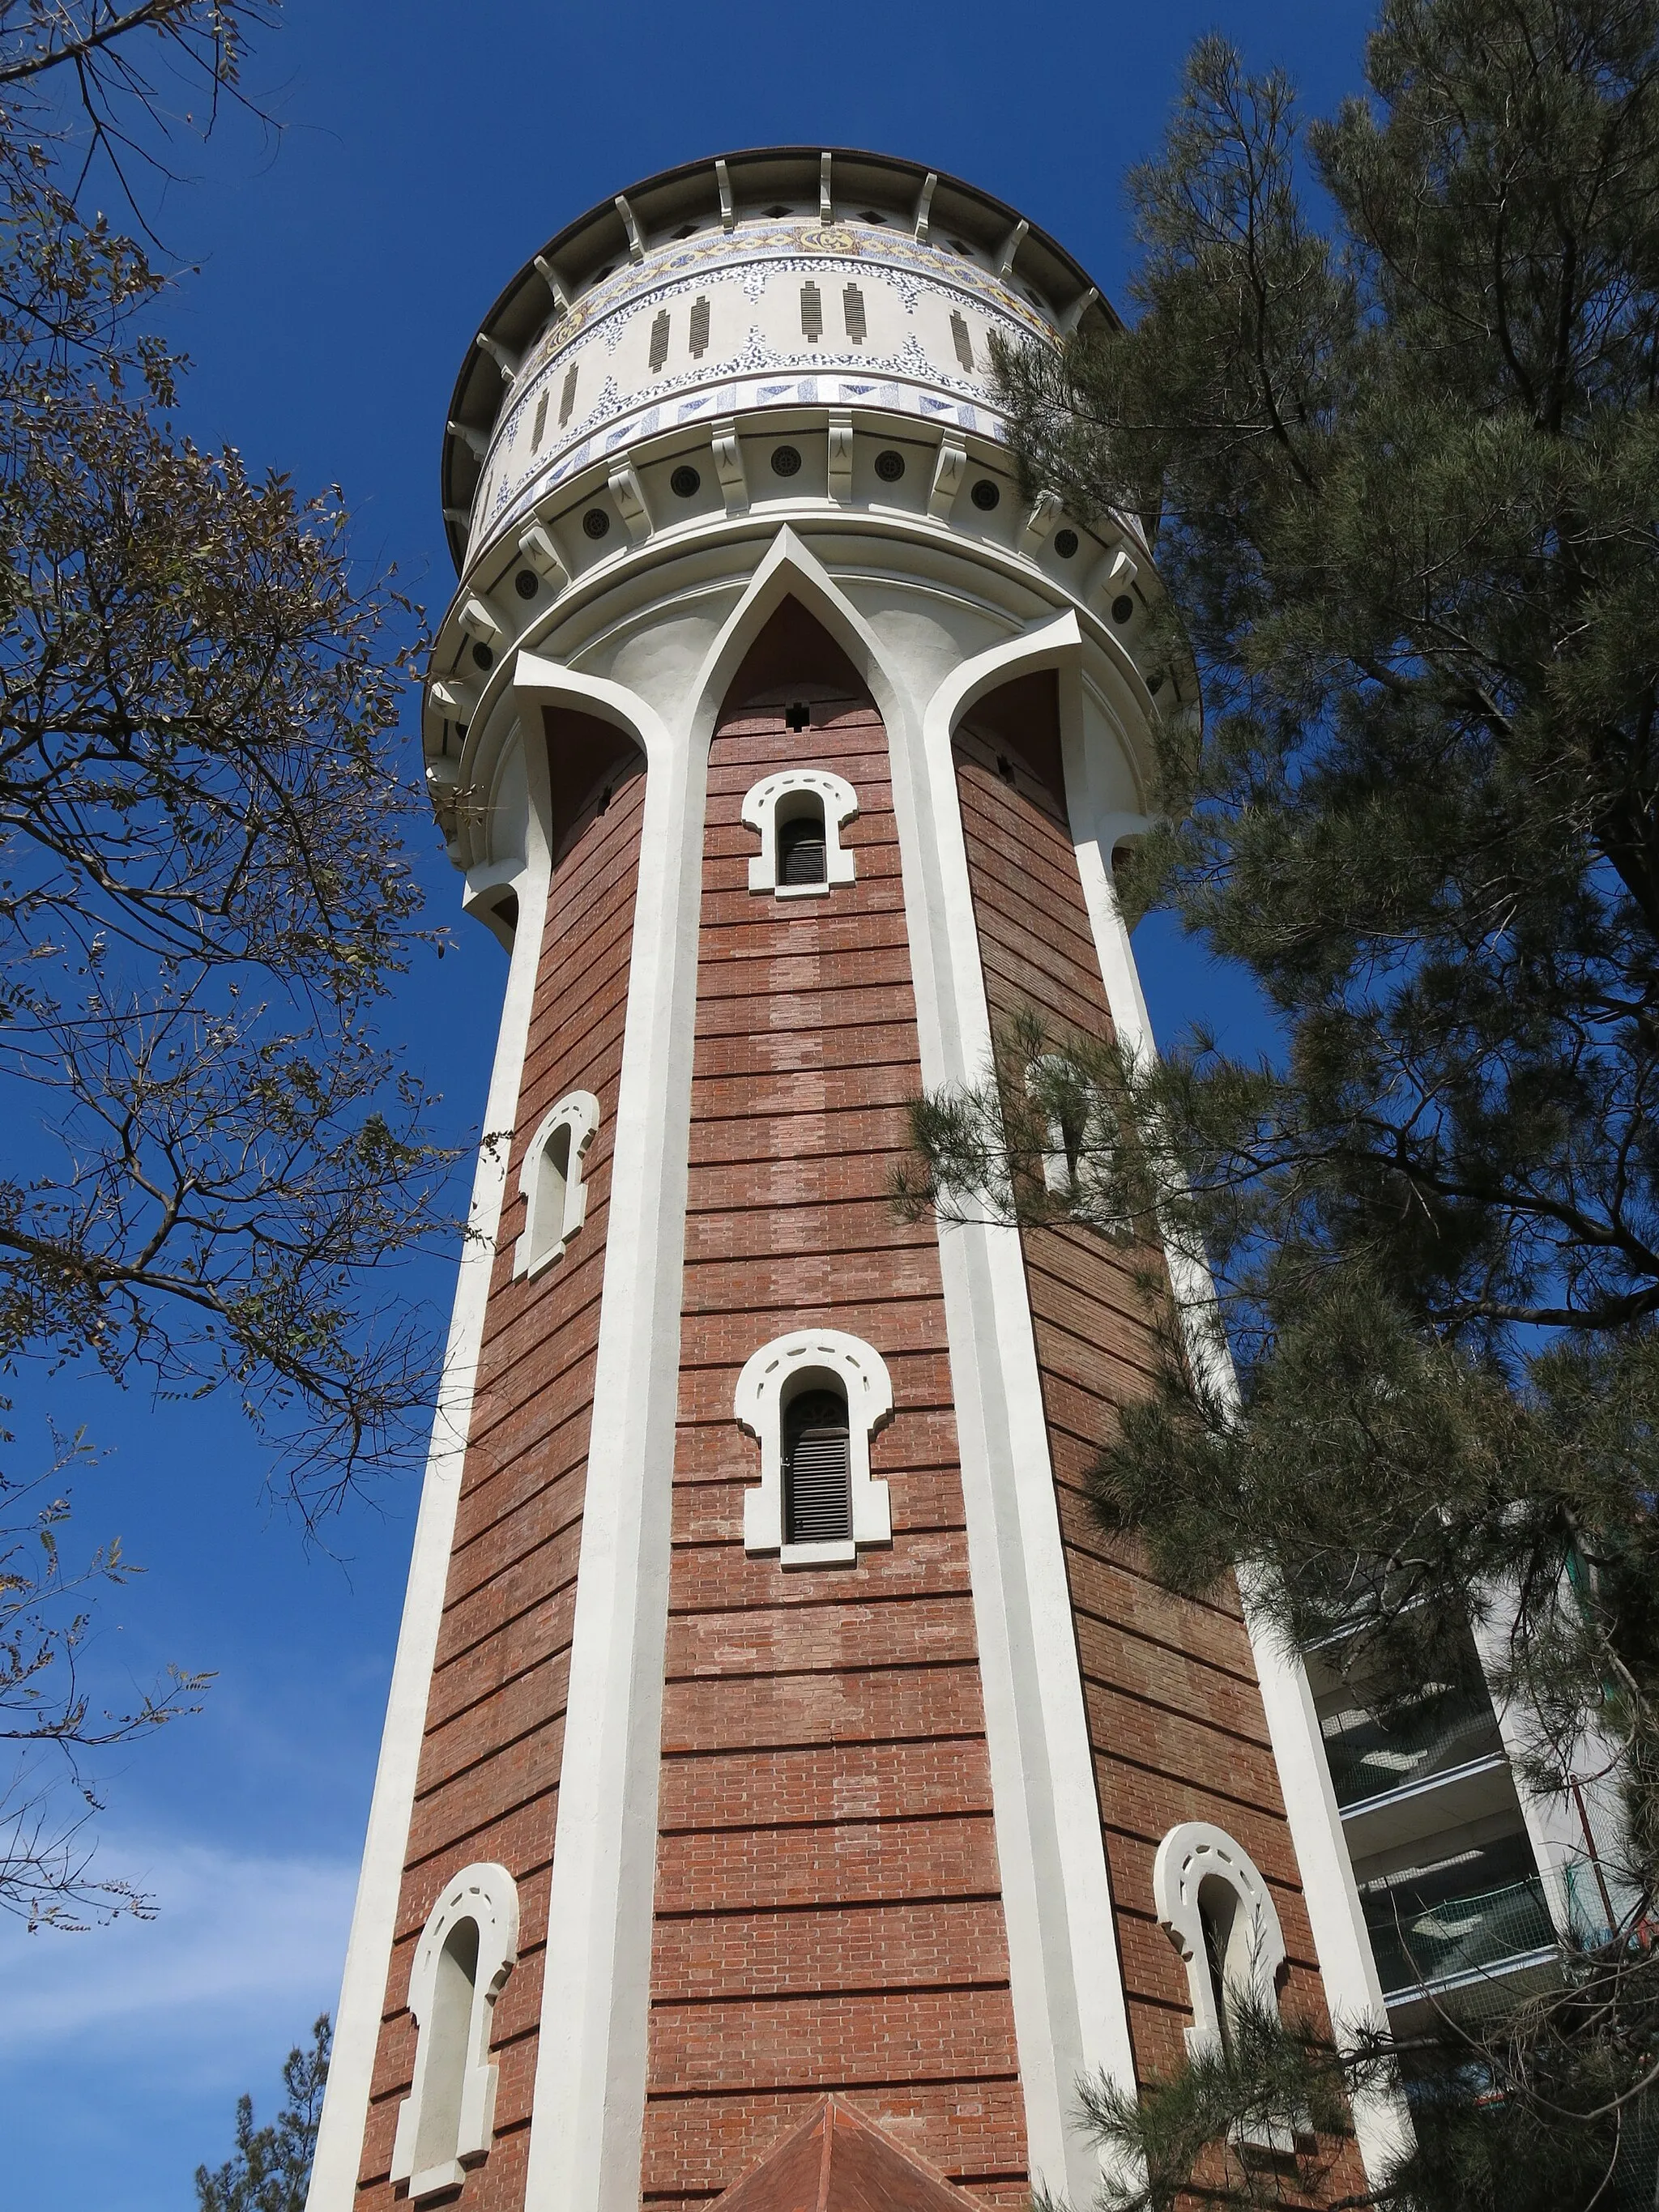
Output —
(428, 150)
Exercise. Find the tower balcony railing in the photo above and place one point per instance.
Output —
(1415, 1944)
(1369, 1758)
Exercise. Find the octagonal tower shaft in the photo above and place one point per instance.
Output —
(767, 1704)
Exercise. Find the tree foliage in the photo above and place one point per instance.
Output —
(270, 2168)
(204, 894)
(1388, 409)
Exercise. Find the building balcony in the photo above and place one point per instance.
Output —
(1417, 1943)
(1371, 1759)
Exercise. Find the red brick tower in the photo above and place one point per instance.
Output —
(786, 1790)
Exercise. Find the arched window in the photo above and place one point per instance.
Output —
(466, 1952)
(813, 1401)
(551, 1182)
(801, 844)
(1215, 1908)
(818, 1468)
(799, 813)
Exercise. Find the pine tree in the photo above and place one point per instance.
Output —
(1388, 410)
(271, 2170)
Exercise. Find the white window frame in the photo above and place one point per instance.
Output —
(766, 806)
(487, 1894)
(544, 1240)
(806, 1359)
(1195, 1852)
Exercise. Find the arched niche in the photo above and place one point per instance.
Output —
(1017, 728)
(588, 760)
(794, 660)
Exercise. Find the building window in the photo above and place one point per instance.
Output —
(698, 335)
(660, 340)
(568, 396)
(801, 846)
(812, 1400)
(551, 1182)
(466, 1952)
(1216, 1909)
(817, 1469)
(799, 813)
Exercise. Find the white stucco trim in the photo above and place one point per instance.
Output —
(1353, 1995)
(1188, 1856)
(588, 2098)
(486, 1895)
(542, 1239)
(373, 1921)
(765, 808)
(1070, 2007)
(785, 1366)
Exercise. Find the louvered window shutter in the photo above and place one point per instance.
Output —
(801, 849)
(818, 1475)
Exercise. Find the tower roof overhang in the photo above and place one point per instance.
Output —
(725, 190)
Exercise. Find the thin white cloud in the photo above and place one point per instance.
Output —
(240, 1941)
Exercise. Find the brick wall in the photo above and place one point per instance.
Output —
(1175, 1715)
(827, 1905)
(487, 1786)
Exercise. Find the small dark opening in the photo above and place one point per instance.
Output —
(1005, 768)
(507, 910)
(604, 800)
(796, 715)
(801, 848)
(817, 1469)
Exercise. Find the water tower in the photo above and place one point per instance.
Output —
(788, 1790)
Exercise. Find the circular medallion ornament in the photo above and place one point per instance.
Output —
(785, 461)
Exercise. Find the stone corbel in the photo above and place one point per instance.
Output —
(1045, 513)
(538, 548)
(728, 466)
(840, 455)
(626, 490)
(948, 472)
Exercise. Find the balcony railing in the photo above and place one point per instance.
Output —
(1367, 1758)
(1414, 1943)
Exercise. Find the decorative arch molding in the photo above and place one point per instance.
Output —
(772, 1376)
(540, 682)
(767, 806)
(448, 2121)
(551, 1185)
(1251, 1945)
(1057, 644)
(790, 570)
